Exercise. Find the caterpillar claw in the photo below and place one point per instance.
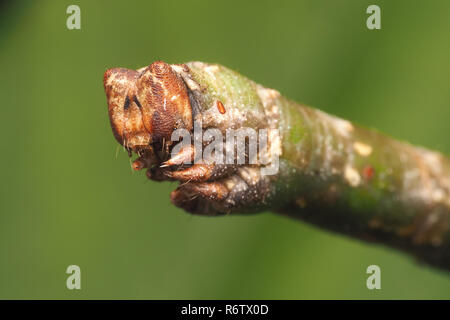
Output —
(185, 156)
(197, 172)
(246, 188)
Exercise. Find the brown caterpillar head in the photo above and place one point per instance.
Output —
(147, 105)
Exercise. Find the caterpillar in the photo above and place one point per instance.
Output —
(330, 171)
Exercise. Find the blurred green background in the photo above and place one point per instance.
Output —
(66, 199)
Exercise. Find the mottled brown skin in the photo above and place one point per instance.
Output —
(145, 107)
(165, 101)
(125, 118)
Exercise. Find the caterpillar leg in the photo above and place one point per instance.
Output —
(246, 188)
(202, 172)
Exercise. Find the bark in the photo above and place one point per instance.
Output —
(346, 178)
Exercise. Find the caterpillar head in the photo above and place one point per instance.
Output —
(146, 105)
